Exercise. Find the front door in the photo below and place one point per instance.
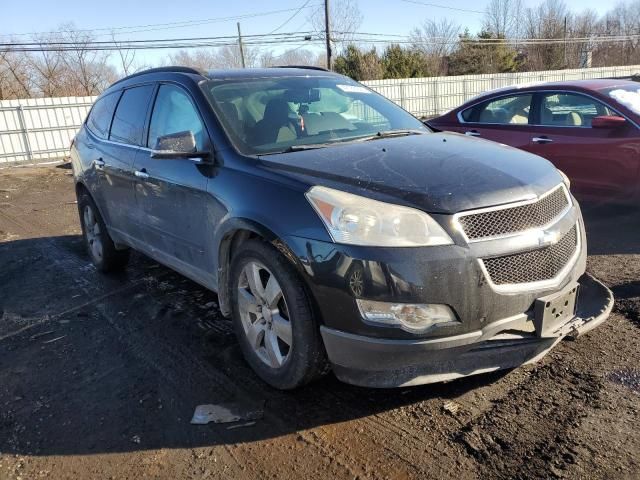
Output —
(171, 192)
(602, 163)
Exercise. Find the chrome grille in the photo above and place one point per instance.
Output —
(510, 220)
(533, 266)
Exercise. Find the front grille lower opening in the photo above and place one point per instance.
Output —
(533, 266)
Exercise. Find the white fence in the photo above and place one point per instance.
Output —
(427, 97)
(41, 129)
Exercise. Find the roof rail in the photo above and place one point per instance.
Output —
(306, 67)
(174, 69)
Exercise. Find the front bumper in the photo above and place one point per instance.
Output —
(507, 343)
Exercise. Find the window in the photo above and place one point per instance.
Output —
(174, 112)
(268, 115)
(513, 110)
(101, 114)
(570, 110)
(128, 122)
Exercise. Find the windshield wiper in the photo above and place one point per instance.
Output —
(393, 133)
(314, 146)
(299, 148)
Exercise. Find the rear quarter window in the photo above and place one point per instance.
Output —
(101, 114)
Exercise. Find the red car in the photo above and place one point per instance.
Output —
(589, 129)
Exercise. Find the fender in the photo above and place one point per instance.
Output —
(228, 237)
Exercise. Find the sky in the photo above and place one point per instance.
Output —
(379, 16)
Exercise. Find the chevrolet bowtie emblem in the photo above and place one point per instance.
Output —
(547, 238)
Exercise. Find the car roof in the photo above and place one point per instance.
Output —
(219, 74)
(592, 84)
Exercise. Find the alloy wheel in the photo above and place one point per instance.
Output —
(264, 314)
(93, 233)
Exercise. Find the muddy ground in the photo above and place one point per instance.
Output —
(99, 377)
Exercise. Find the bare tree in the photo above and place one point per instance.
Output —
(624, 20)
(546, 21)
(223, 57)
(49, 69)
(345, 19)
(229, 57)
(292, 56)
(436, 41)
(15, 75)
(126, 56)
(503, 18)
(89, 69)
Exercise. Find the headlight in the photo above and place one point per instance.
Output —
(565, 179)
(356, 220)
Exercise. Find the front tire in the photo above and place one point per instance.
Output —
(103, 252)
(273, 319)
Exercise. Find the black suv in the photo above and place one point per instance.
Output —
(337, 229)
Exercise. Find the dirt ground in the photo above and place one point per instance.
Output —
(100, 375)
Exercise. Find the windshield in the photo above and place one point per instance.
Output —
(629, 96)
(269, 115)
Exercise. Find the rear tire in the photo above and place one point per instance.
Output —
(103, 252)
(273, 319)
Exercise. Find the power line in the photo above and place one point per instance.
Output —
(290, 38)
(361, 36)
(120, 42)
(180, 24)
(304, 5)
(435, 5)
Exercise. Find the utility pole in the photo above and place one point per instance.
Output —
(565, 43)
(327, 32)
(240, 45)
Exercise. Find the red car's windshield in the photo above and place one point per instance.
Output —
(627, 95)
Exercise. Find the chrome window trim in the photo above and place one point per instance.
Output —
(533, 92)
(458, 226)
(119, 144)
(541, 284)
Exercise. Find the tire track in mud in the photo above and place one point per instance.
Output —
(361, 439)
(161, 357)
(524, 425)
(528, 435)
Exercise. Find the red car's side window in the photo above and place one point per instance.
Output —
(510, 110)
(569, 110)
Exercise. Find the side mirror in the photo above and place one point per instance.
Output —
(178, 145)
(608, 121)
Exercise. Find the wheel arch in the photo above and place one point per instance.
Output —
(236, 232)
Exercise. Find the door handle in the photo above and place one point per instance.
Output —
(541, 140)
(98, 163)
(472, 133)
(141, 174)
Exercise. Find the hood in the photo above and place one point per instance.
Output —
(437, 172)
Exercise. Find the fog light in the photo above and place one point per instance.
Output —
(411, 317)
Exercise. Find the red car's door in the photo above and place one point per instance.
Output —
(601, 163)
(504, 119)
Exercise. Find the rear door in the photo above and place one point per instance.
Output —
(601, 163)
(504, 120)
(96, 152)
(171, 192)
(125, 139)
